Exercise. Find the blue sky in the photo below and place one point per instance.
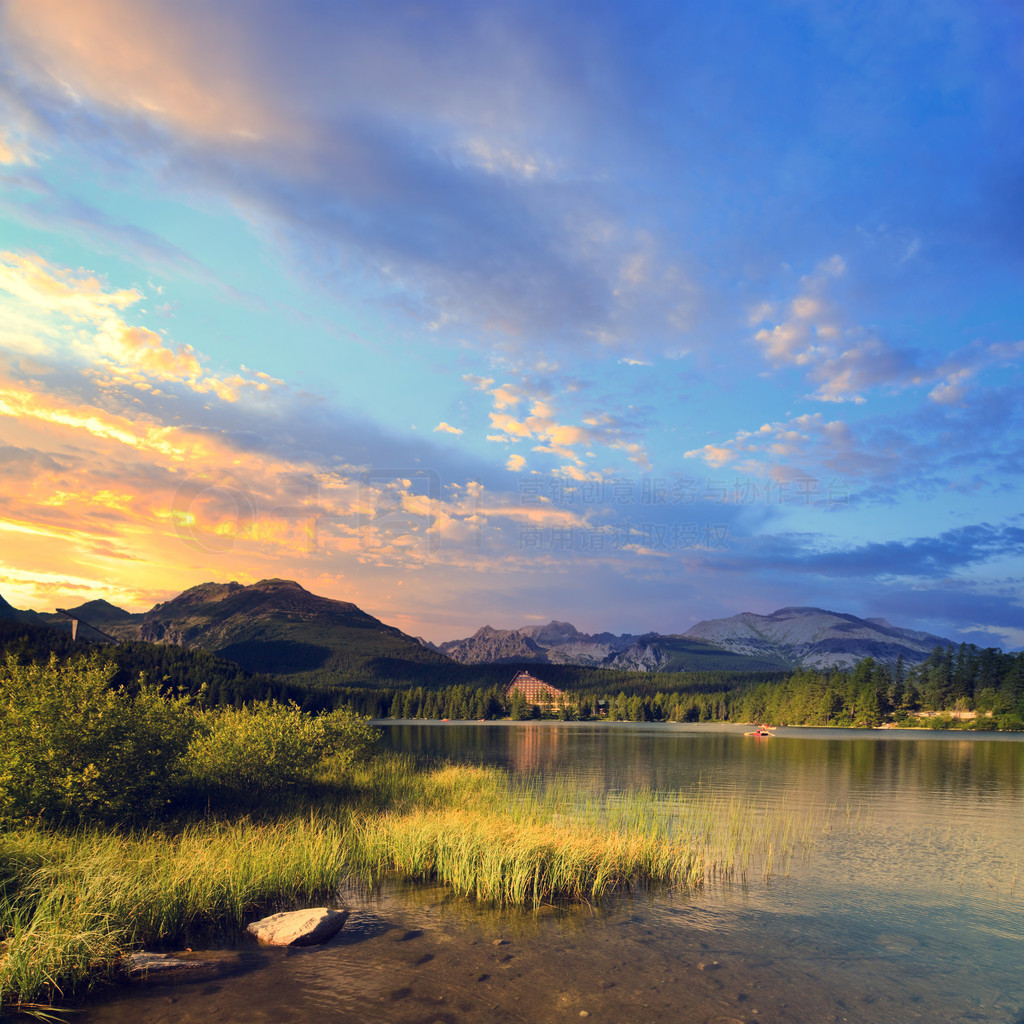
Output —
(629, 315)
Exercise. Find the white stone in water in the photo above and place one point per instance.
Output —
(146, 963)
(299, 927)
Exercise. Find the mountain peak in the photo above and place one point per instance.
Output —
(7, 611)
(553, 633)
(276, 625)
(816, 638)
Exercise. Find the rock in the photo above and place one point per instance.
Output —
(299, 927)
(149, 963)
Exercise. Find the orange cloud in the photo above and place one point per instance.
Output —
(45, 292)
(147, 60)
(78, 295)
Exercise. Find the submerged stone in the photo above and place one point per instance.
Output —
(150, 963)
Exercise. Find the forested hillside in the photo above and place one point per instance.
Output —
(965, 680)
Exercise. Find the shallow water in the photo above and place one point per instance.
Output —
(909, 907)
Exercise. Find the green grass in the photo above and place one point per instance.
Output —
(511, 840)
(72, 902)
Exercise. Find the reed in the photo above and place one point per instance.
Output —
(515, 840)
(73, 901)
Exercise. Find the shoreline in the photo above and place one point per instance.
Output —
(885, 732)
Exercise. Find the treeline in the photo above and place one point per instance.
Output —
(987, 682)
(960, 680)
(965, 679)
(181, 670)
(399, 674)
(688, 703)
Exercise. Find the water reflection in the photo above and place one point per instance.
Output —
(910, 908)
(623, 755)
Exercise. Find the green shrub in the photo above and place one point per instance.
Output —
(349, 740)
(75, 748)
(269, 747)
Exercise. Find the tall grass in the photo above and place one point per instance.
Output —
(514, 840)
(72, 901)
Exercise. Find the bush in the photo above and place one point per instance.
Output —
(264, 746)
(1011, 722)
(350, 740)
(75, 748)
(270, 747)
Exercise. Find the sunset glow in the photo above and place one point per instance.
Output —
(624, 315)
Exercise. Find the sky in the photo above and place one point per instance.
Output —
(623, 314)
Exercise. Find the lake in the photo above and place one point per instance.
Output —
(909, 905)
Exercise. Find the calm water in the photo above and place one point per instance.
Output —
(910, 907)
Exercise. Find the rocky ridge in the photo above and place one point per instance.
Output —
(556, 643)
(816, 638)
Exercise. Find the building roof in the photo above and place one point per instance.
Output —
(533, 689)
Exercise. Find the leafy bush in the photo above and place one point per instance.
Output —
(349, 740)
(264, 746)
(74, 747)
(270, 747)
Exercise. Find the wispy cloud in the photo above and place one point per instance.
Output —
(447, 428)
(563, 230)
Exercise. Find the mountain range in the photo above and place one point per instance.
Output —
(560, 643)
(276, 626)
(786, 639)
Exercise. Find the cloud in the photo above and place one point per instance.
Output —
(778, 448)
(921, 557)
(513, 179)
(552, 435)
(130, 353)
(79, 296)
(956, 373)
(844, 360)
(470, 173)
(136, 56)
(446, 428)
(12, 151)
(37, 204)
(933, 450)
(112, 473)
(847, 361)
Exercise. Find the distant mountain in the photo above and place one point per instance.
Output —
(97, 620)
(816, 638)
(657, 653)
(7, 612)
(276, 626)
(493, 646)
(103, 613)
(560, 643)
(557, 643)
